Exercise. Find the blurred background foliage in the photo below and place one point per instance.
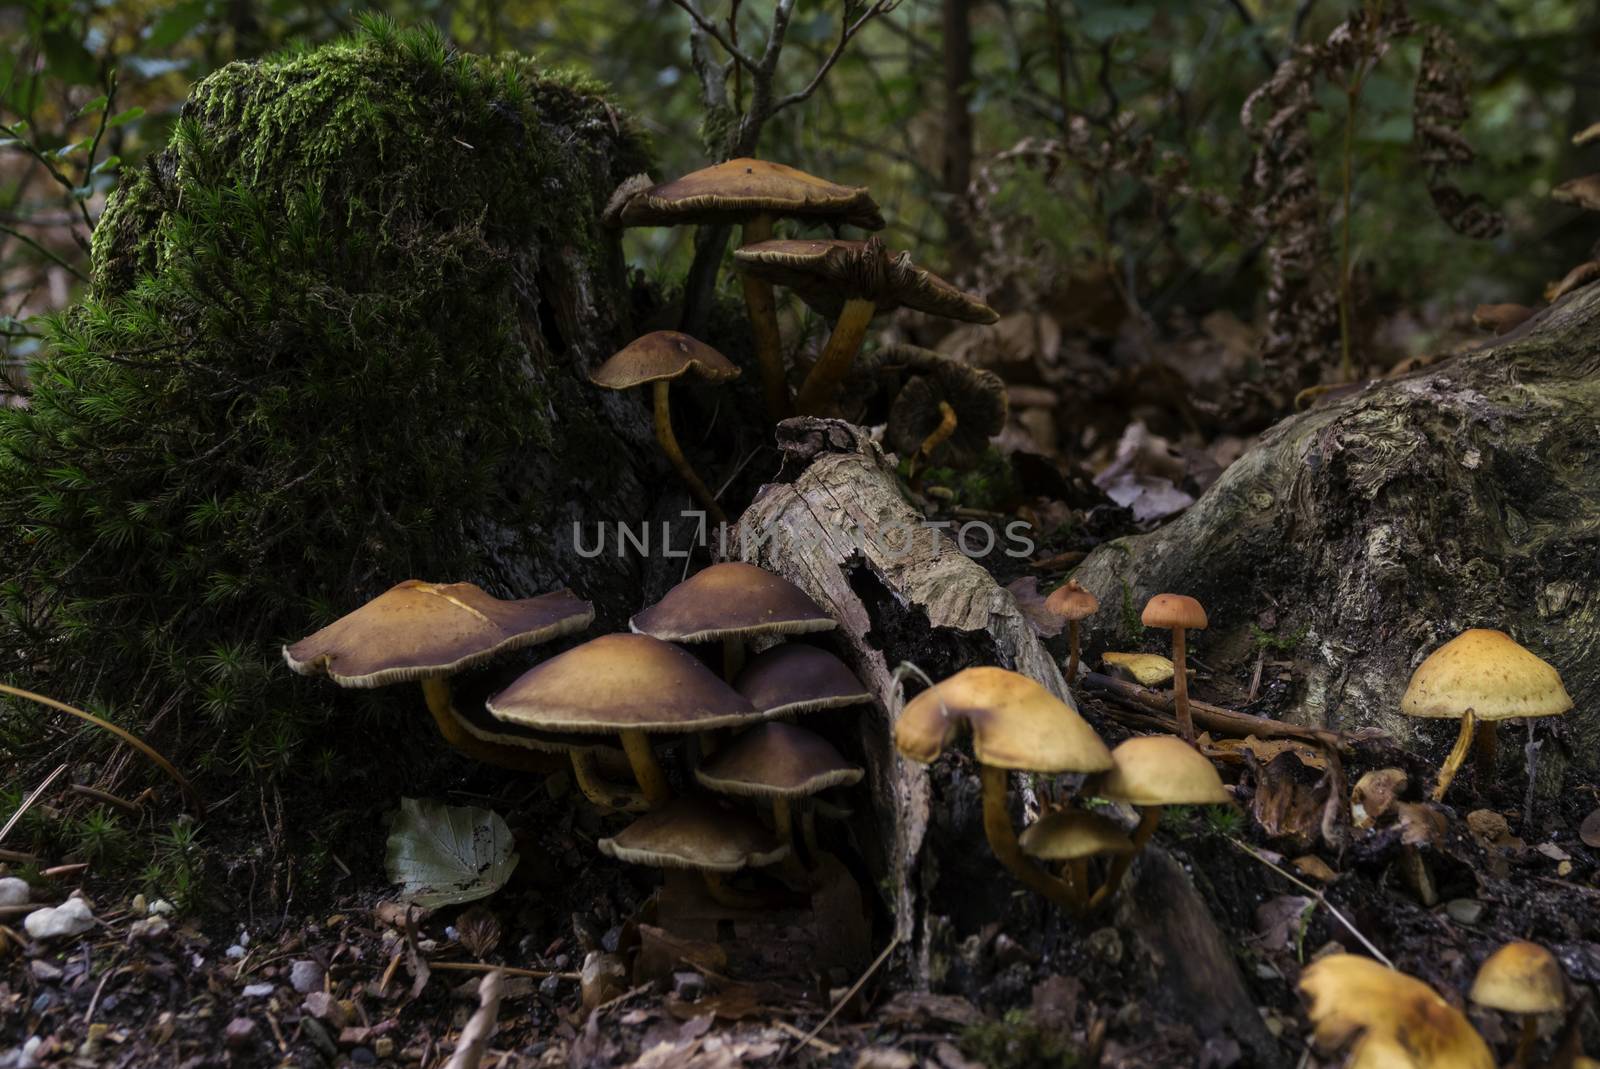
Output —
(89, 87)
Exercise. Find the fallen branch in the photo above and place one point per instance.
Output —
(1215, 717)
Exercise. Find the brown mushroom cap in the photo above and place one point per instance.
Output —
(1070, 834)
(1160, 770)
(731, 600)
(622, 683)
(976, 395)
(1500, 318)
(662, 354)
(417, 630)
(777, 761)
(1388, 1019)
(825, 273)
(1072, 602)
(1015, 724)
(1583, 192)
(1520, 977)
(739, 189)
(1488, 672)
(479, 722)
(794, 678)
(1174, 610)
(693, 833)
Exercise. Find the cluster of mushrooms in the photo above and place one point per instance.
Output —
(605, 703)
(849, 281)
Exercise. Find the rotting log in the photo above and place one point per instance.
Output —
(1466, 494)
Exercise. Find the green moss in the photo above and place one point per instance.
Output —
(1018, 1042)
(313, 362)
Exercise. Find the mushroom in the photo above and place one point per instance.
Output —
(732, 601)
(1501, 318)
(1386, 1018)
(852, 281)
(696, 834)
(1073, 604)
(752, 193)
(583, 751)
(1015, 724)
(1145, 669)
(946, 407)
(1152, 772)
(630, 685)
(1072, 837)
(794, 678)
(427, 632)
(1181, 614)
(779, 763)
(1481, 677)
(1581, 192)
(1522, 978)
(658, 358)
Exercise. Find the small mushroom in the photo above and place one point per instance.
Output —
(1522, 978)
(1015, 724)
(852, 281)
(794, 678)
(1387, 1019)
(584, 752)
(696, 834)
(733, 602)
(1481, 677)
(427, 632)
(1181, 614)
(1501, 318)
(1145, 669)
(751, 193)
(1073, 604)
(1152, 772)
(948, 410)
(1072, 837)
(658, 358)
(630, 685)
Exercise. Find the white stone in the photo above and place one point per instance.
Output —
(72, 917)
(13, 892)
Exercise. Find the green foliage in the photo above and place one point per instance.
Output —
(989, 485)
(1283, 645)
(1018, 1042)
(272, 402)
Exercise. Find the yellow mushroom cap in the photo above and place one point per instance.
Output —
(417, 630)
(693, 833)
(1174, 610)
(1069, 834)
(1160, 770)
(1072, 601)
(740, 189)
(622, 683)
(1488, 672)
(729, 600)
(1387, 1019)
(1147, 669)
(777, 761)
(1015, 724)
(1520, 977)
(662, 354)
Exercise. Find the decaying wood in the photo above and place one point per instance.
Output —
(1214, 717)
(1466, 494)
(838, 530)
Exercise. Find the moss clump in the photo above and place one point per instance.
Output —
(328, 330)
(1018, 1042)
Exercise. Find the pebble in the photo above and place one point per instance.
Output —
(13, 891)
(72, 917)
(234, 953)
(1464, 910)
(161, 907)
(688, 986)
(257, 990)
(44, 971)
(148, 928)
(383, 1047)
(305, 976)
(550, 986)
(363, 1056)
(241, 1031)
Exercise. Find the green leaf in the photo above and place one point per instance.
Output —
(176, 23)
(93, 106)
(110, 163)
(444, 855)
(123, 117)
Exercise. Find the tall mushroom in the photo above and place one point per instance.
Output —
(1152, 772)
(852, 281)
(629, 685)
(752, 193)
(1522, 978)
(428, 632)
(1386, 1019)
(658, 358)
(1073, 604)
(1072, 837)
(1015, 724)
(699, 835)
(733, 602)
(1180, 614)
(794, 678)
(1481, 677)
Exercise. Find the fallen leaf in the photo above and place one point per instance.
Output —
(444, 855)
(1145, 669)
(1373, 797)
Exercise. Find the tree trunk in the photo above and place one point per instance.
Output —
(956, 164)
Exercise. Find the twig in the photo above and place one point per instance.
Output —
(128, 737)
(509, 970)
(744, 59)
(1318, 895)
(844, 1000)
(33, 796)
(480, 1029)
(881, 7)
(1215, 717)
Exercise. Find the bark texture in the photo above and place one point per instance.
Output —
(1466, 494)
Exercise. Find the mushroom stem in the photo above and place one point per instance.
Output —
(758, 301)
(597, 790)
(1072, 651)
(1078, 868)
(652, 781)
(808, 831)
(724, 894)
(837, 356)
(1002, 836)
(732, 657)
(669, 446)
(1180, 687)
(1149, 820)
(1530, 1036)
(940, 435)
(1486, 748)
(436, 691)
(1458, 754)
